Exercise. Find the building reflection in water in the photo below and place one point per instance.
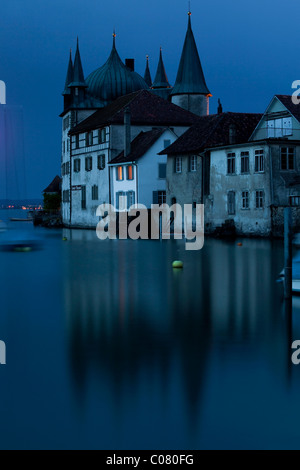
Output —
(133, 322)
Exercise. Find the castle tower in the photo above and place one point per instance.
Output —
(161, 85)
(69, 79)
(190, 90)
(147, 76)
(78, 84)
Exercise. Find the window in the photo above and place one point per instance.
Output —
(129, 171)
(89, 139)
(66, 196)
(259, 199)
(77, 144)
(68, 145)
(294, 201)
(167, 143)
(120, 201)
(245, 167)
(287, 158)
(83, 197)
(159, 197)
(119, 173)
(88, 163)
(101, 162)
(231, 203)
(162, 197)
(64, 147)
(259, 161)
(67, 168)
(77, 165)
(130, 199)
(193, 163)
(95, 193)
(245, 200)
(231, 163)
(280, 127)
(102, 136)
(178, 165)
(162, 171)
(63, 169)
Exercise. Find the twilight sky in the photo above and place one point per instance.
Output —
(249, 52)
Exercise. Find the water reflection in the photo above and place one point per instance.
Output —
(133, 322)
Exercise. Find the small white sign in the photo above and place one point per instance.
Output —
(2, 353)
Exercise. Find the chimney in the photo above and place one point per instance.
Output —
(130, 64)
(232, 134)
(127, 131)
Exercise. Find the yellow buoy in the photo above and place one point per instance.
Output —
(177, 264)
(65, 239)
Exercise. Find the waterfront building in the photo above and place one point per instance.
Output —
(245, 168)
(138, 174)
(93, 127)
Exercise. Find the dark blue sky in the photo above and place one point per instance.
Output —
(249, 52)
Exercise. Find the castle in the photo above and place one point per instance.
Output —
(105, 112)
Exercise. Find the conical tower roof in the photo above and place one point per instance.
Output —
(78, 76)
(69, 77)
(147, 76)
(190, 78)
(161, 79)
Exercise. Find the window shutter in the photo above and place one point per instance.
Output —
(117, 200)
(162, 171)
(155, 197)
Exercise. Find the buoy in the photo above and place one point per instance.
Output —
(177, 264)
(65, 239)
(239, 244)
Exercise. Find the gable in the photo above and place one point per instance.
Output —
(277, 122)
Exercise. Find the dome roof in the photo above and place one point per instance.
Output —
(113, 80)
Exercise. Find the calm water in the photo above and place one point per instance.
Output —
(109, 348)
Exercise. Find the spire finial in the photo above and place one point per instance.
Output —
(114, 38)
(189, 12)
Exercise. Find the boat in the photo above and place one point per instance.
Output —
(16, 219)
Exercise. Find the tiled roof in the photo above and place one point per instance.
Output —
(55, 186)
(286, 100)
(213, 131)
(145, 107)
(139, 146)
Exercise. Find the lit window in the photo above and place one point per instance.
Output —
(287, 158)
(119, 173)
(130, 172)
(259, 161)
(231, 163)
(245, 162)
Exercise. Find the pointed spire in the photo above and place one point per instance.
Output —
(78, 76)
(114, 39)
(161, 79)
(190, 78)
(147, 76)
(69, 77)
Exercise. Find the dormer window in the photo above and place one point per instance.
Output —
(280, 127)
